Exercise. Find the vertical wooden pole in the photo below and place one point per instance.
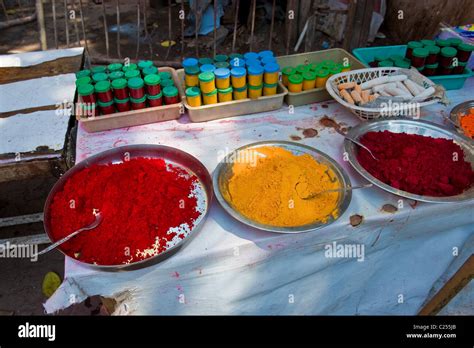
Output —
(145, 25)
(41, 25)
(182, 29)
(55, 26)
(5, 10)
(169, 30)
(117, 7)
(215, 27)
(196, 14)
(254, 4)
(106, 29)
(81, 12)
(66, 23)
(236, 19)
(76, 30)
(271, 26)
(138, 29)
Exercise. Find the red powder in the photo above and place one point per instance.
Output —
(140, 200)
(417, 164)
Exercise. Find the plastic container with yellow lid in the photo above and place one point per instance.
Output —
(207, 82)
(270, 89)
(255, 75)
(271, 73)
(210, 98)
(240, 93)
(238, 76)
(322, 76)
(295, 84)
(309, 80)
(224, 94)
(193, 96)
(222, 78)
(191, 78)
(255, 91)
(285, 73)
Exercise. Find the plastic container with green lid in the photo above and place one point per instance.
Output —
(152, 83)
(83, 81)
(385, 63)
(459, 68)
(165, 75)
(138, 103)
(428, 42)
(103, 91)
(193, 96)
(442, 43)
(401, 63)
(116, 75)
(224, 94)
(100, 77)
(115, 67)
(206, 76)
(83, 73)
(122, 105)
(446, 56)
(98, 69)
(220, 65)
(270, 88)
(454, 41)
(411, 46)
(166, 83)
(430, 69)
(88, 110)
(135, 86)
(322, 75)
(220, 58)
(204, 61)
(143, 64)
(170, 94)
(336, 69)
(86, 92)
(107, 107)
(131, 66)
(132, 73)
(464, 52)
(419, 56)
(285, 73)
(120, 88)
(295, 83)
(150, 70)
(207, 81)
(255, 91)
(309, 80)
(155, 100)
(302, 68)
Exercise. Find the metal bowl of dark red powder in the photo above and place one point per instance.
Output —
(409, 126)
(189, 164)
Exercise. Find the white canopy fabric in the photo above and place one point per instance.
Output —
(229, 268)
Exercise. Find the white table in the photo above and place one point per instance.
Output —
(233, 269)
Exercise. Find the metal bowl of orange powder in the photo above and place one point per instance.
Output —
(460, 110)
(172, 157)
(225, 170)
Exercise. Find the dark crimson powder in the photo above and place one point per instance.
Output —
(144, 206)
(417, 164)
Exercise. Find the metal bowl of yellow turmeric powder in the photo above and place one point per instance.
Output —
(281, 186)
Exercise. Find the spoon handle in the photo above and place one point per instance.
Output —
(61, 241)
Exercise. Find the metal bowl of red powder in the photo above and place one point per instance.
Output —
(412, 127)
(134, 196)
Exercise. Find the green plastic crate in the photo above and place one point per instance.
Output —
(450, 82)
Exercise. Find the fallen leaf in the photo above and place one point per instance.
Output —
(389, 208)
(356, 220)
(168, 43)
(51, 282)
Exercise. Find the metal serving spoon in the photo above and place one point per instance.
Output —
(98, 220)
(342, 189)
(357, 143)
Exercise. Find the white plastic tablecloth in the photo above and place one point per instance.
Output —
(229, 268)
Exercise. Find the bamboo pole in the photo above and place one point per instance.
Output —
(5, 10)
(290, 25)
(271, 25)
(236, 19)
(76, 30)
(138, 29)
(196, 14)
(169, 30)
(41, 25)
(254, 3)
(215, 27)
(117, 6)
(66, 24)
(55, 25)
(106, 29)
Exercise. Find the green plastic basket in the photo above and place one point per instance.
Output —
(450, 82)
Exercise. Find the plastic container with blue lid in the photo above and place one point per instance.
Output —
(266, 53)
(250, 62)
(208, 67)
(271, 67)
(268, 60)
(255, 70)
(238, 72)
(250, 55)
(237, 63)
(190, 62)
(222, 73)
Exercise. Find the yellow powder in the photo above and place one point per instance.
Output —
(270, 186)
